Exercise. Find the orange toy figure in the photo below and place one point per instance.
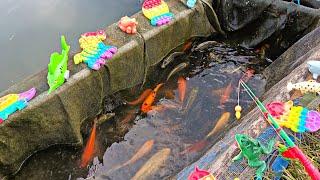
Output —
(147, 104)
(182, 86)
(128, 25)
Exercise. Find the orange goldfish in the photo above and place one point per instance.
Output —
(147, 104)
(187, 46)
(221, 123)
(226, 94)
(182, 86)
(89, 149)
(141, 98)
(198, 146)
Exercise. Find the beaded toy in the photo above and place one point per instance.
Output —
(157, 11)
(94, 52)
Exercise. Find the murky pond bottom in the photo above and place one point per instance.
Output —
(176, 132)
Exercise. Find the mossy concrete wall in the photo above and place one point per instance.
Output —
(57, 118)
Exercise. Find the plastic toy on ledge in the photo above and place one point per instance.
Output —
(157, 11)
(94, 52)
(191, 3)
(128, 25)
(252, 149)
(296, 118)
(304, 87)
(198, 174)
(314, 68)
(13, 102)
(58, 67)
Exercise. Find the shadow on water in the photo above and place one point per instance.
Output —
(212, 73)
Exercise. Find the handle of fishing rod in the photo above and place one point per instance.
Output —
(312, 171)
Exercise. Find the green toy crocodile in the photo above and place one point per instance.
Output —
(252, 150)
(57, 68)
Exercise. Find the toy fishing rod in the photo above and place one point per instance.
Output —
(293, 150)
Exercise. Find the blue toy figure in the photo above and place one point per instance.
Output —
(314, 68)
(191, 3)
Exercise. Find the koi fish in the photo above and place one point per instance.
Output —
(182, 86)
(142, 151)
(225, 94)
(89, 149)
(147, 104)
(141, 98)
(192, 97)
(198, 146)
(170, 59)
(152, 165)
(306, 86)
(247, 75)
(223, 120)
(178, 68)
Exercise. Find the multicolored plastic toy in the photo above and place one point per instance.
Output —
(306, 86)
(198, 174)
(94, 52)
(128, 25)
(58, 67)
(13, 102)
(157, 11)
(191, 3)
(296, 118)
(314, 68)
(252, 149)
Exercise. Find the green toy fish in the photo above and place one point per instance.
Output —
(57, 68)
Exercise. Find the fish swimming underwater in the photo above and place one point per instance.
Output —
(221, 123)
(57, 68)
(141, 98)
(89, 149)
(152, 165)
(147, 104)
(225, 94)
(304, 87)
(182, 86)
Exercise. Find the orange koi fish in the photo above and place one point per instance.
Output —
(226, 94)
(182, 86)
(198, 146)
(221, 123)
(187, 46)
(89, 149)
(141, 98)
(147, 104)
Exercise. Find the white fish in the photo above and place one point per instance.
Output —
(306, 86)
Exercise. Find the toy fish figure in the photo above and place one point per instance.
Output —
(13, 102)
(314, 68)
(306, 86)
(199, 174)
(57, 68)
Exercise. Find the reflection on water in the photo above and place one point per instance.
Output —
(187, 129)
(30, 30)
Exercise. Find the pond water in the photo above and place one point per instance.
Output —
(176, 132)
(30, 30)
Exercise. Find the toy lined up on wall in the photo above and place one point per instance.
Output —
(191, 3)
(13, 102)
(128, 25)
(94, 51)
(296, 118)
(58, 67)
(252, 149)
(157, 11)
(314, 68)
(198, 174)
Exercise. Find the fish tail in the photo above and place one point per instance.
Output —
(290, 86)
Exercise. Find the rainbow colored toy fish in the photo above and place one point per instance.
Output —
(13, 102)
(94, 52)
(58, 67)
(296, 118)
(157, 11)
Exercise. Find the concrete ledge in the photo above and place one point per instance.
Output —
(57, 118)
